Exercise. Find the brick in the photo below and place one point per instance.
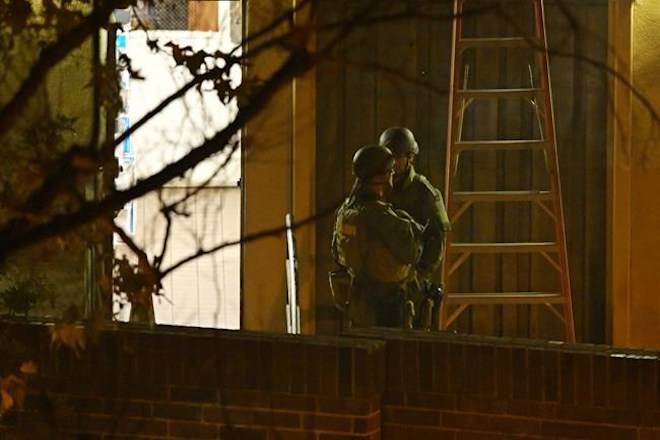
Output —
(140, 392)
(200, 368)
(367, 424)
(141, 426)
(478, 435)
(234, 433)
(92, 423)
(415, 417)
(535, 374)
(531, 408)
(617, 382)
(85, 404)
(649, 418)
(188, 430)
(461, 421)
(567, 378)
(329, 371)
(177, 411)
(313, 370)
(582, 414)
(329, 436)
(193, 394)
(456, 357)
(432, 400)
(322, 422)
(282, 372)
(227, 416)
(520, 373)
(440, 368)
(600, 379)
(649, 434)
(487, 371)
(285, 434)
(514, 425)
(394, 370)
(357, 407)
(282, 401)
(129, 408)
(503, 370)
(393, 397)
(264, 367)
(364, 376)
(648, 381)
(392, 431)
(426, 366)
(277, 419)
(345, 370)
(587, 431)
(633, 367)
(251, 355)
(480, 404)
(410, 366)
(583, 379)
(245, 398)
(472, 371)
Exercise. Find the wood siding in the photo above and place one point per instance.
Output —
(396, 73)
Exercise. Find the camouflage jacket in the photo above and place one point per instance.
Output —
(414, 194)
(374, 242)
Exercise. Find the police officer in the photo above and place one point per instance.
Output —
(413, 193)
(378, 246)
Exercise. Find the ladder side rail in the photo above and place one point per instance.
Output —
(550, 136)
(452, 130)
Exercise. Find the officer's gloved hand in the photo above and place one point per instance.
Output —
(417, 228)
(424, 271)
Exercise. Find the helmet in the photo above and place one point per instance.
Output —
(400, 140)
(372, 160)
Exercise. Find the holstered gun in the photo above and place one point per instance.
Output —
(430, 304)
(340, 286)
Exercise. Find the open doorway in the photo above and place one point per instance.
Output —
(204, 292)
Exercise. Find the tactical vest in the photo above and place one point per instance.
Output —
(365, 256)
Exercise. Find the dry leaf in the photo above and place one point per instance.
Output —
(13, 391)
(29, 368)
(16, 388)
(69, 335)
(6, 401)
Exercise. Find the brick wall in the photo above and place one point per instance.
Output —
(371, 384)
(444, 386)
(194, 384)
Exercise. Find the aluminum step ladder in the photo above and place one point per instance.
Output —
(550, 201)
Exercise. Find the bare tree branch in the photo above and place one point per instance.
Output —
(18, 235)
(49, 57)
(278, 230)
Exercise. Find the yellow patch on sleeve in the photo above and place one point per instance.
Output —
(349, 230)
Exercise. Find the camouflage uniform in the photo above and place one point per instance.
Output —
(414, 194)
(379, 247)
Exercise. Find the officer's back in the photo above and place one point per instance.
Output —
(377, 245)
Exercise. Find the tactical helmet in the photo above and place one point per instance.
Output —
(372, 160)
(400, 140)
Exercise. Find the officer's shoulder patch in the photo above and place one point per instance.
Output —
(381, 204)
(349, 229)
(427, 186)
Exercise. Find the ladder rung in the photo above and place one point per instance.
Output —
(514, 144)
(498, 93)
(465, 43)
(501, 248)
(505, 298)
(502, 196)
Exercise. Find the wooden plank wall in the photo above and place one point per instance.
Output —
(396, 73)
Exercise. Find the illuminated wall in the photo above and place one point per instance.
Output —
(635, 237)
